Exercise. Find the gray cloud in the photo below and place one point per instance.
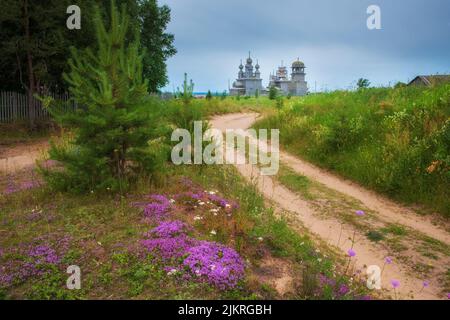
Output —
(329, 36)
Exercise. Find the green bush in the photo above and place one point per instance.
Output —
(273, 93)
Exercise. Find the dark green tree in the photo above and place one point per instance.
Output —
(273, 93)
(149, 21)
(157, 43)
(362, 83)
(35, 41)
(209, 95)
(187, 93)
(113, 124)
(33, 47)
(224, 95)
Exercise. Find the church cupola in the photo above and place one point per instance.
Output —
(298, 67)
(249, 59)
(257, 72)
(241, 71)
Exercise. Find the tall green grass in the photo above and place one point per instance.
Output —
(396, 141)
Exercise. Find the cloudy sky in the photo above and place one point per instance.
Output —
(330, 36)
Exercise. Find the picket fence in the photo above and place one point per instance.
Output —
(14, 107)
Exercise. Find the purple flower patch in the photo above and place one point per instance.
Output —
(203, 261)
(169, 229)
(13, 187)
(328, 285)
(216, 264)
(169, 248)
(343, 290)
(17, 264)
(157, 210)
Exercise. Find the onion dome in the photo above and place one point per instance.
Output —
(298, 64)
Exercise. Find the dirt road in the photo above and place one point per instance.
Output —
(21, 156)
(338, 232)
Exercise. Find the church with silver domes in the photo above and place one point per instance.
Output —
(296, 85)
(249, 81)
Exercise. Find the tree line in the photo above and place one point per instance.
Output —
(36, 41)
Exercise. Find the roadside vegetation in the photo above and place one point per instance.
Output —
(395, 141)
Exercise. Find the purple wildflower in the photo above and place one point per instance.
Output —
(197, 196)
(28, 185)
(325, 281)
(169, 248)
(216, 264)
(169, 229)
(351, 253)
(343, 290)
(395, 283)
(21, 262)
(160, 198)
(388, 260)
(360, 213)
(206, 261)
(44, 254)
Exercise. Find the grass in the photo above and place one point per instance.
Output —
(394, 141)
(13, 133)
(104, 229)
(374, 236)
(394, 229)
(295, 182)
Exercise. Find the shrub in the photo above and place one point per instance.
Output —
(273, 93)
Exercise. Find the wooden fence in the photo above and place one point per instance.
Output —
(14, 107)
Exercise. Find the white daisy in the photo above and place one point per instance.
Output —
(172, 272)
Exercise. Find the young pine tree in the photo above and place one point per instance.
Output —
(112, 125)
(273, 93)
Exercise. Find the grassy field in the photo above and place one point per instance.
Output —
(43, 232)
(166, 237)
(395, 141)
(151, 241)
